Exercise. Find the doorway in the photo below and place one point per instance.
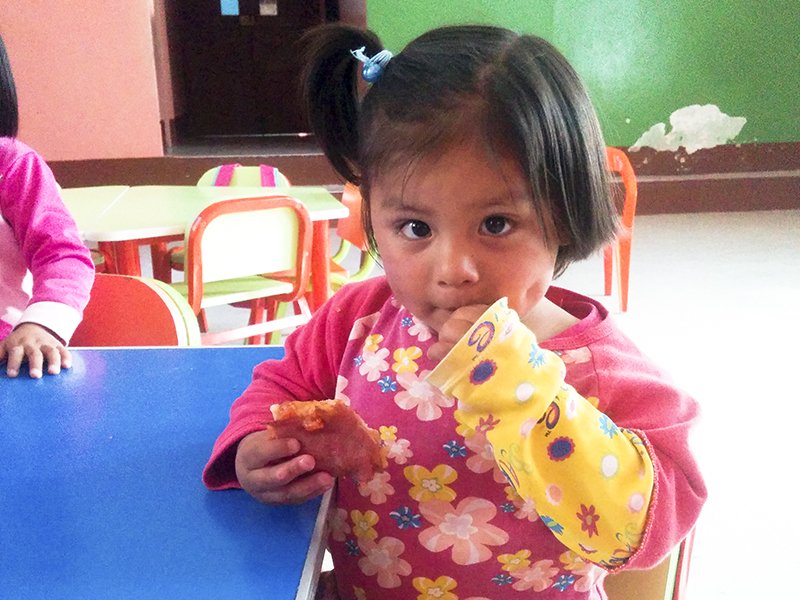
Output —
(236, 64)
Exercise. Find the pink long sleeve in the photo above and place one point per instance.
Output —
(637, 395)
(40, 236)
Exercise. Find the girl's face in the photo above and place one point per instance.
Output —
(462, 230)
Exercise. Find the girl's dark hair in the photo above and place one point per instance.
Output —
(516, 92)
(9, 111)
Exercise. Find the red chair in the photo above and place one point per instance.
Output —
(135, 311)
(619, 251)
(166, 259)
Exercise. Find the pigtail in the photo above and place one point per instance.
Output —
(331, 92)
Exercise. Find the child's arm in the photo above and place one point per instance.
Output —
(308, 372)
(48, 245)
(591, 482)
(38, 346)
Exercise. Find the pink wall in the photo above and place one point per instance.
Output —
(86, 77)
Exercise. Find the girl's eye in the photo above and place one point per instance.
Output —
(496, 225)
(415, 230)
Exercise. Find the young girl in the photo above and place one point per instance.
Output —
(545, 450)
(46, 271)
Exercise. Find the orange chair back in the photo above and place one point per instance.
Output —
(618, 163)
(619, 251)
(265, 248)
(351, 228)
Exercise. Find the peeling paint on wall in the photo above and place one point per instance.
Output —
(693, 127)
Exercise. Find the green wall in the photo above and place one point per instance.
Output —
(644, 59)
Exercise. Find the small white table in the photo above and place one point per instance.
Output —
(145, 214)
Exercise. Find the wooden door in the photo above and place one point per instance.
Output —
(241, 70)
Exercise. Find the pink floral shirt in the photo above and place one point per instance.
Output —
(442, 521)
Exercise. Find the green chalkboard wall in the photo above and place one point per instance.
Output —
(644, 59)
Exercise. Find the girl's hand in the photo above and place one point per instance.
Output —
(269, 470)
(36, 344)
(455, 328)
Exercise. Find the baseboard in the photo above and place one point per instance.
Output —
(312, 169)
(733, 177)
(741, 177)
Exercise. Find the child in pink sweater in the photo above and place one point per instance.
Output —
(46, 271)
(532, 448)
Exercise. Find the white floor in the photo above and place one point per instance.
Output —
(715, 298)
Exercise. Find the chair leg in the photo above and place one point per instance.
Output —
(277, 311)
(623, 271)
(258, 309)
(202, 320)
(608, 263)
(107, 250)
(159, 254)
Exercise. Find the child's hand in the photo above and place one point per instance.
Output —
(269, 471)
(36, 344)
(455, 328)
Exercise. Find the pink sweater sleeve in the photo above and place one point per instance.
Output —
(664, 416)
(49, 243)
(637, 395)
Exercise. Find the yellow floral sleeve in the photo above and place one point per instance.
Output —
(591, 481)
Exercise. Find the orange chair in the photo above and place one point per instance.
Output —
(165, 259)
(351, 231)
(230, 244)
(135, 311)
(619, 251)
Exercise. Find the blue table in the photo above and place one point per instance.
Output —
(101, 493)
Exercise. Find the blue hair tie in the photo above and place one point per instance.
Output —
(373, 67)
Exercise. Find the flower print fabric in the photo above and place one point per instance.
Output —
(443, 511)
(442, 521)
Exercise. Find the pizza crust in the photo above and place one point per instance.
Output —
(334, 434)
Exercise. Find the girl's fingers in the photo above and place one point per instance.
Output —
(51, 355)
(259, 450)
(299, 490)
(454, 329)
(14, 361)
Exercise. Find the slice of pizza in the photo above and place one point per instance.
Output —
(334, 434)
